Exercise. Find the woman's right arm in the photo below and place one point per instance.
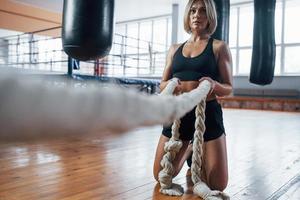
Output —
(168, 69)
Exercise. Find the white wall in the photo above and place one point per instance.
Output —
(279, 82)
(124, 9)
(135, 9)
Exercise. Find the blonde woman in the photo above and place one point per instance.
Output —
(200, 58)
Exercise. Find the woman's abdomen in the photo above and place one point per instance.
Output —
(187, 86)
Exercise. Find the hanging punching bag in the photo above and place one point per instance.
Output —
(87, 28)
(264, 49)
(223, 12)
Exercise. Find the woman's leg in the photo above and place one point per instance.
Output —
(178, 161)
(215, 163)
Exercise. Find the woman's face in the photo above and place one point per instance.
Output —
(198, 17)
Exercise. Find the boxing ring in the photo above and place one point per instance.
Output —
(41, 52)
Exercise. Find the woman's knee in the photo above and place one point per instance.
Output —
(219, 183)
(220, 186)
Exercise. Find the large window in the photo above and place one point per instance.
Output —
(240, 40)
(33, 52)
(140, 47)
(286, 36)
(292, 16)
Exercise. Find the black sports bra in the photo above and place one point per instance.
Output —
(192, 69)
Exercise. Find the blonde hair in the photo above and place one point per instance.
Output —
(211, 15)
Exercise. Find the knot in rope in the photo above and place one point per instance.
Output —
(173, 146)
(175, 190)
(203, 191)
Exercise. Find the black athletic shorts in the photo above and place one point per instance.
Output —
(213, 122)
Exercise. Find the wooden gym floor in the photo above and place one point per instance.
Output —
(263, 149)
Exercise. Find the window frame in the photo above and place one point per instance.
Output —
(281, 43)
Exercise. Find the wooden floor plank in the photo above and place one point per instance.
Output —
(290, 190)
(263, 154)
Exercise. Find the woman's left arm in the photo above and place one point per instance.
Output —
(224, 62)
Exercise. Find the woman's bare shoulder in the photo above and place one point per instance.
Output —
(219, 47)
(219, 44)
(174, 47)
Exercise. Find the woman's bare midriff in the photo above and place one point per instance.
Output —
(187, 86)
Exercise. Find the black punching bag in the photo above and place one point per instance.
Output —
(87, 30)
(264, 49)
(223, 12)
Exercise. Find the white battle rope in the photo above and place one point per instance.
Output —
(33, 109)
(173, 146)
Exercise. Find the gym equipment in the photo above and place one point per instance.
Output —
(87, 28)
(264, 49)
(173, 146)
